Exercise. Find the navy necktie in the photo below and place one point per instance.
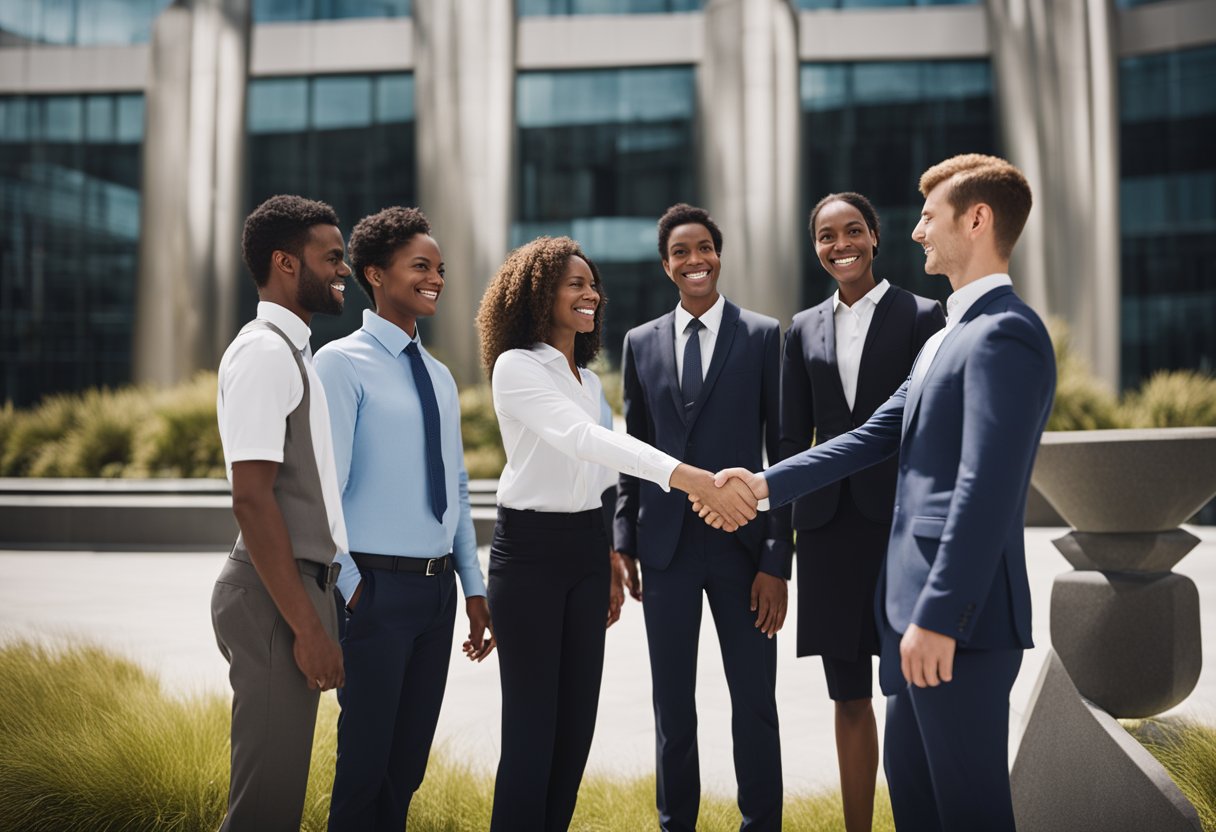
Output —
(436, 482)
(692, 379)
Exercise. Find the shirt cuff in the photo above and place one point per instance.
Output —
(471, 582)
(762, 505)
(658, 467)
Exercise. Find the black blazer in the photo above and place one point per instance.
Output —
(731, 425)
(813, 406)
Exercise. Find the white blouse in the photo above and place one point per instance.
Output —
(559, 458)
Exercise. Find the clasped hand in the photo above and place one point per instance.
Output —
(731, 502)
(736, 481)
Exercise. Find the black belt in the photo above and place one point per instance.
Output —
(592, 518)
(392, 563)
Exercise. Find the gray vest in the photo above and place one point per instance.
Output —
(297, 488)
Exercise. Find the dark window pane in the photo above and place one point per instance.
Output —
(871, 4)
(529, 8)
(265, 11)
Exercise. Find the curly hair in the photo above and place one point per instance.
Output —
(517, 308)
(281, 223)
(682, 214)
(376, 238)
(858, 201)
(989, 179)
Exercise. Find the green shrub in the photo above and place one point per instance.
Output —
(181, 438)
(91, 741)
(1082, 402)
(1172, 400)
(484, 456)
(1187, 750)
(32, 433)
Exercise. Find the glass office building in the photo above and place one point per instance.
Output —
(613, 111)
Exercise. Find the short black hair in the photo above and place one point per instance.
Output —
(682, 214)
(377, 237)
(857, 201)
(281, 223)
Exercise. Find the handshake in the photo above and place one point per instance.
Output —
(726, 500)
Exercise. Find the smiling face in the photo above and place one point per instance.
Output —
(575, 301)
(323, 271)
(408, 288)
(692, 264)
(845, 246)
(942, 235)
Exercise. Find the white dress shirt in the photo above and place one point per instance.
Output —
(559, 458)
(259, 385)
(851, 324)
(712, 320)
(956, 307)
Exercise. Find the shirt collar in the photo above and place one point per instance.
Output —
(295, 329)
(392, 337)
(547, 353)
(873, 296)
(963, 299)
(712, 319)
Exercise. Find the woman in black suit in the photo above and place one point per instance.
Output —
(843, 358)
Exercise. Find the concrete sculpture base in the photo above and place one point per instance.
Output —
(1078, 769)
(1131, 642)
(1127, 551)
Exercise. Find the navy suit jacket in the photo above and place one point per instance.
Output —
(966, 438)
(733, 421)
(813, 405)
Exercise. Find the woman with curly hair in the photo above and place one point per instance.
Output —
(540, 321)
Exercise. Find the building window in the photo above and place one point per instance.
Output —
(530, 8)
(873, 128)
(876, 4)
(77, 22)
(69, 232)
(601, 155)
(1167, 218)
(344, 139)
(268, 11)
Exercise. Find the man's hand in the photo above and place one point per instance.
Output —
(925, 657)
(629, 569)
(770, 597)
(616, 588)
(755, 483)
(733, 503)
(478, 645)
(354, 598)
(319, 658)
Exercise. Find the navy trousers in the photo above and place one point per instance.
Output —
(396, 646)
(946, 750)
(548, 595)
(708, 562)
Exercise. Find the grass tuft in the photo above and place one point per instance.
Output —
(1187, 750)
(89, 741)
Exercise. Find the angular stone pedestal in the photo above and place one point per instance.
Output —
(1078, 770)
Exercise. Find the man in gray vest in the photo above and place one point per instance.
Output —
(273, 606)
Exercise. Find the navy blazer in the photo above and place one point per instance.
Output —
(813, 406)
(966, 439)
(733, 421)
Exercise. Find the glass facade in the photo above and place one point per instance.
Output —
(874, 4)
(874, 127)
(529, 8)
(344, 139)
(69, 232)
(602, 154)
(1168, 212)
(124, 22)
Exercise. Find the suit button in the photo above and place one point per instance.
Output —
(904, 467)
(897, 508)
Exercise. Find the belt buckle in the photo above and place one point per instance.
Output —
(430, 567)
(331, 575)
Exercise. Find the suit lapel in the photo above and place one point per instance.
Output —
(827, 343)
(665, 332)
(726, 336)
(868, 348)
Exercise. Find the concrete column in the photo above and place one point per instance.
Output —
(193, 189)
(465, 103)
(1055, 68)
(748, 111)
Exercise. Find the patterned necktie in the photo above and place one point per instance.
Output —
(692, 379)
(436, 482)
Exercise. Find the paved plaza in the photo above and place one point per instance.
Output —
(155, 609)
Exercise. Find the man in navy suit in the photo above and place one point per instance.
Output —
(702, 383)
(954, 601)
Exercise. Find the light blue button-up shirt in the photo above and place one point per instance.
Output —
(380, 453)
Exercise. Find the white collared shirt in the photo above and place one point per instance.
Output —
(559, 458)
(956, 308)
(259, 385)
(712, 320)
(851, 324)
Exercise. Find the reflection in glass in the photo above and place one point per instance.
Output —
(529, 8)
(69, 226)
(347, 140)
(873, 4)
(601, 155)
(874, 127)
(1168, 212)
